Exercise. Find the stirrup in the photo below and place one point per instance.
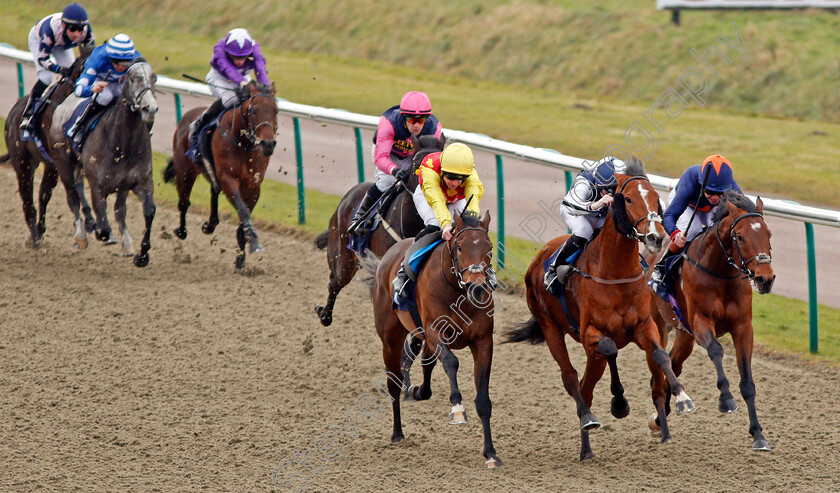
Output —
(658, 274)
(399, 283)
(25, 123)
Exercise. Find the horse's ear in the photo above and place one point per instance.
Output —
(253, 89)
(485, 221)
(272, 90)
(415, 142)
(759, 205)
(457, 221)
(733, 211)
(441, 141)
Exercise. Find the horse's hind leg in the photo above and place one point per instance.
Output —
(343, 265)
(185, 185)
(100, 208)
(66, 174)
(210, 225)
(26, 175)
(619, 407)
(241, 240)
(411, 349)
(427, 362)
(48, 182)
(119, 214)
(146, 196)
(392, 344)
(742, 337)
(90, 222)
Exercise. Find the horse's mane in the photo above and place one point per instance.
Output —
(263, 88)
(634, 167)
(471, 219)
(735, 198)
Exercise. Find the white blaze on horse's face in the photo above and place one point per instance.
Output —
(756, 226)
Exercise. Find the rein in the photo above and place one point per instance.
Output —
(250, 134)
(743, 269)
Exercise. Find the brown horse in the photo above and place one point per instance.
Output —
(25, 157)
(399, 220)
(241, 146)
(455, 310)
(715, 297)
(609, 302)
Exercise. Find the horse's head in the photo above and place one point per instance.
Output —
(749, 235)
(139, 90)
(261, 108)
(636, 210)
(471, 250)
(423, 146)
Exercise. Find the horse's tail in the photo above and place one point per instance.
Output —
(526, 331)
(4, 158)
(322, 240)
(169, 173)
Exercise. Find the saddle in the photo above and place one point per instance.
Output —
(415, 258)
(205, 136)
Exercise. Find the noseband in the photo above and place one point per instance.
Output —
(744, 267)
(652, 217)
(250, 132)
(135, 103)
(456, 266)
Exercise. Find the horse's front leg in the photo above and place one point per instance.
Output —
(482, 352)
(595, 366)
(742, 337)
(26, 183)
(68, 179)
(458, 415)
(146, 195)
(619, 407)
(119, 214)
(79, 185)
(706, 338)
(98, 199)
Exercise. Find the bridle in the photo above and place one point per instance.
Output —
(250, 130)
(135, 102)
(652, 217)
(453, 258)
(744, 267)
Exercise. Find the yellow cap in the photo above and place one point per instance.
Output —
(457, 159)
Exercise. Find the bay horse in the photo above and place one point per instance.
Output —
(399, 220)
(116, 158)
(609, 305)
(25, 156)
(715, 297)
(240, 148)
(455, 308)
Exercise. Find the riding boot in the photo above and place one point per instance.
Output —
(658, 274)
(29, 110)
(203, 119)
(75, 132)
(555, 275)
(400, 282)
(369, 199)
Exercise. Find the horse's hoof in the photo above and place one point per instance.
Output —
(110, 241)
(181, 233)
(727, 406)
(208, 228)
(652, 423)
(141, 259)
(684, 403)
(667, 439)
(80, 243)
(619, 408)
(129, 253)
(761, 445)
(458, 416)
(589, 422)
(90, 226)
(408, 395)
(397, 437)
(240, 262)
(41, 230)
(326, 320)
(493, 463)
(586, 455)
(254, 247)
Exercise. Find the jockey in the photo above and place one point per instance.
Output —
(393, 150)
(447, 182)
(102, 79)
(234, 57)
(584, 210)
(54, 37)
(688, 199)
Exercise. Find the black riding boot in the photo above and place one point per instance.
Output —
(555, 275)
(29, 110)
(659, 269)
(400, 282)
(75, 132)
(203, 119)
(368, 200)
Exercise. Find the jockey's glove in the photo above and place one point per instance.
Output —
(400, 174)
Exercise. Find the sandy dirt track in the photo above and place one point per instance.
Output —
(184, 376)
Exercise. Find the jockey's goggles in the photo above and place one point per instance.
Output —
(455, 176)
(74, 28)
(713, 192)
(413, 119)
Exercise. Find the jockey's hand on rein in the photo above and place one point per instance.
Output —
(400, 174)
(65, 71)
